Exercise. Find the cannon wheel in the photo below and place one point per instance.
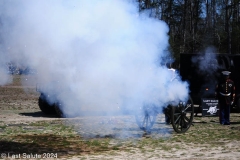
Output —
(146, 118)
(182, 116)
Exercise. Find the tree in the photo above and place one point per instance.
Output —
(195, 25)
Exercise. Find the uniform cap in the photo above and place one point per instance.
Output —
(226, 73)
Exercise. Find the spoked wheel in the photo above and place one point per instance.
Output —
(182, 116)
(146, 118)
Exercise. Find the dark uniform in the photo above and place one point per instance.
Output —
(225, 93)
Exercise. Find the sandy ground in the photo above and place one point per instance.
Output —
(230, 150)
(19, 107)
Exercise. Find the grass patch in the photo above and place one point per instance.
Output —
(55, 136)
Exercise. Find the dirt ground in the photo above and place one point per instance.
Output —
(19, 109)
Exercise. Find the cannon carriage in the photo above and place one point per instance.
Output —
(180, 115)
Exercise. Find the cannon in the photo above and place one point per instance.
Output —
(181, 115)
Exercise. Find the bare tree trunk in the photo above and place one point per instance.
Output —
(227, 27)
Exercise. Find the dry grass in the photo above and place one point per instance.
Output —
(206, 139)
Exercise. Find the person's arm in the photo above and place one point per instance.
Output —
(233, 94)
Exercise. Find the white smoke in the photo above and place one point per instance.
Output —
(97, 55)
(207, 68)
(208, 63)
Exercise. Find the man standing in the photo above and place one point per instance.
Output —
(225, 93)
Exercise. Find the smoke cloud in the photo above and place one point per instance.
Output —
(94, 55)
(207, 61)
(207, 68)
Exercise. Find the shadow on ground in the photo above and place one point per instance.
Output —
(38, 114)
(40, 144)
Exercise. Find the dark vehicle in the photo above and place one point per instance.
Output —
(203, 71)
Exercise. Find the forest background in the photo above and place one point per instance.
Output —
(195, 25)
